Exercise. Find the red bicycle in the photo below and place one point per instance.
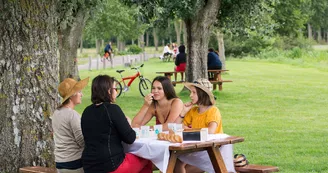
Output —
(144, 83)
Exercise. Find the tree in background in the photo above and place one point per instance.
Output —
(114, 19)
(244, 21)
(28, 83)
(197, 15)
(291, 15)
(72, 16)
(318, 18)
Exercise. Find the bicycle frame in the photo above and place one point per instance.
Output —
(132, 78)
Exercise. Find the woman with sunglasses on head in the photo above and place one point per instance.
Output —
(105, 127)
(66, 124)
(162, 103)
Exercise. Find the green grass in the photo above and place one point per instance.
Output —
(280, 109)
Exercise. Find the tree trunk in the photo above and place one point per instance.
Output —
(118, 44)
(155, 38)
(132, 41)
(219, 37)
(169, 30)
(184, 33)
(198, 32)
(98, 45)
(319, 35)
(327, 36)
(178, 28)
(68, 41)
(28, 83)
(81, 43)
(309, 31)
(147, 39)
(142, 41)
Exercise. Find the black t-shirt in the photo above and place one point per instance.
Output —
(103, 138)
(181, 58)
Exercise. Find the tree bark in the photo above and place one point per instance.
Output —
(309, 27)
(68, 41)
(155, 38)
(178, 28)
(28, 83)
(198, 32)
(219, 37)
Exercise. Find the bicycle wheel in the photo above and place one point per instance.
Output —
(144, 86)
(118, 87)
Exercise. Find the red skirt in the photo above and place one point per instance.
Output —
(180, 67)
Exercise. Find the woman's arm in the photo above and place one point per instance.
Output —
(186, 108)
(143, 112)
(212, 127)
(126, 133)
(76, 129)
(176, 108)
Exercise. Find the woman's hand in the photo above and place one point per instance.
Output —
(186, 108)
(148, 99)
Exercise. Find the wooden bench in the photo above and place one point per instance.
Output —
(252, 168)
(37, 169)
(216, 80)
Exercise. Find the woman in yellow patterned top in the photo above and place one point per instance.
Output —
(201, 112)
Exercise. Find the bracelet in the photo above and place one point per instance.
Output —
(181, 116)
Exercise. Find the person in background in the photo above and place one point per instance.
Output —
(162, 103)
(66, 124)
(180, 62)
(167, 51)
(108, 51)
(105, 127)
(213, 62)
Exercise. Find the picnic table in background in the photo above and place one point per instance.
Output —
(216, 80)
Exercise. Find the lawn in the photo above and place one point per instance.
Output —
(280, 110)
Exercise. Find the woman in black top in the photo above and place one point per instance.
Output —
(105, 127)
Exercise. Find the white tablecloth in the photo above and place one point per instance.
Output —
(158, 152)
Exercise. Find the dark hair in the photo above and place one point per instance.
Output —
(167, 87)
(211, 50)
(182, 49)
(99, 89)
(203, 98)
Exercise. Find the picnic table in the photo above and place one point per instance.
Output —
(215, 80)
(165, 154)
